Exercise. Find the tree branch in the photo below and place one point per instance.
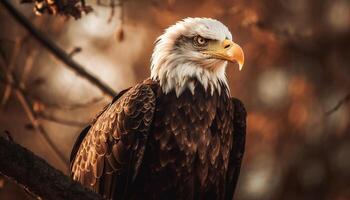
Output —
(338, 105)
(73, 106)
(67, 122)
(55, 50)
(11, 64)
(37, 176)
(32, 116)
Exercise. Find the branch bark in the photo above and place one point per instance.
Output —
(55, 50)
(37, 176)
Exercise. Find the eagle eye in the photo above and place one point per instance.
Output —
(199, 41)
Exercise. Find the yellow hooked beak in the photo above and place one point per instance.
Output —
(226, 50)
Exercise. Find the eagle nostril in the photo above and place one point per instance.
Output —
(227, 46)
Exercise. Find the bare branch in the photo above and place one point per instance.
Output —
(32, 116)
(75, 51)
(99, 3)
(6, 96)
(8, 135)
(72, 106)
(55, 50)
(11, 65)
(55, 119)
(112, 10)
(120, 32)
(37, 176)
(338, 105)
(28, 65)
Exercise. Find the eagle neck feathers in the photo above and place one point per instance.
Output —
(181, 77)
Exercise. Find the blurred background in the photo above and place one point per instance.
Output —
(295, 84)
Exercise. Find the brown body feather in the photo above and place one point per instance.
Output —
(151, 145)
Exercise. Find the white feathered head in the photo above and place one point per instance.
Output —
(194, 48)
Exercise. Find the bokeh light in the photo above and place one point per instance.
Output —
(294, 84)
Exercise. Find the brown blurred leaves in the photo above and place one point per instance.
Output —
(74, 8)
(305, 41)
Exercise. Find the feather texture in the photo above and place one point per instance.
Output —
(152, 145)
(112, 149)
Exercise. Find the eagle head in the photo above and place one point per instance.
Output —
(194, 48)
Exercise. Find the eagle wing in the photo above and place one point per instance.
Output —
(236, 155)
(108, 153)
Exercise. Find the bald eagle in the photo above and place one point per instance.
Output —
(176, 135)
